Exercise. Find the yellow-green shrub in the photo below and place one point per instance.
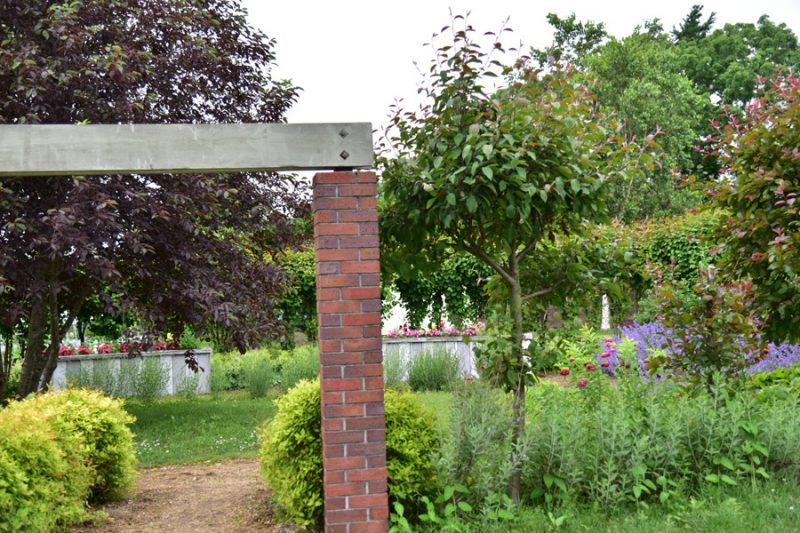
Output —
(104, 440)
(291, 451)
(43, 480)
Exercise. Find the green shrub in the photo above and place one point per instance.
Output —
(302, 364)
(259, 376)
(43, 481)
(432, 370)
(94, 426)
(291, 451)
(394, 368)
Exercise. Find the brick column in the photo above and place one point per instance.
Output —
(351, 369)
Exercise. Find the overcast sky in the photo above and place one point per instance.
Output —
(353, 58)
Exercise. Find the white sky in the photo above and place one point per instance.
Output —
(353, 58)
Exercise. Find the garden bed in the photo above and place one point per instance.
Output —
(117, 373)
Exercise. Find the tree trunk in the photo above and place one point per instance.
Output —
(519, 393)
(34, 346)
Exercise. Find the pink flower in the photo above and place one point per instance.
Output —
(565, 372)
(582, 382)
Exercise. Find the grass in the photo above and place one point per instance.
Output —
(178, 431)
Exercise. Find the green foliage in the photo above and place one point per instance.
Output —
(301, 364)
(432, 370)
(480, 426)
(713, 328)
(762, 234)
(258, 375)
(43, 481)
(454, 289)
(291, 451)
(624, 445)
(298, 303)
(105, 441)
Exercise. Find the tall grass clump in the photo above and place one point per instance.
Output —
(302, 363)
(631, 444)
(433, 370)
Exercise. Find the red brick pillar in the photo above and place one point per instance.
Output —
(351, 369)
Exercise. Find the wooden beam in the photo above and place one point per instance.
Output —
(47, 150)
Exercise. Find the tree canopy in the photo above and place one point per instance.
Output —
(177, 249)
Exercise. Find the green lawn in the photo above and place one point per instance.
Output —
(177, 431)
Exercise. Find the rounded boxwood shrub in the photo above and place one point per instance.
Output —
(291, 451)
(100, 425)
(43, 479)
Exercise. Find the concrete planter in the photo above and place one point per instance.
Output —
(409, 347)
(176, 375)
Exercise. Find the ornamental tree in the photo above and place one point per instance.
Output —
(761, 153)
(495, 173)
(175, 249)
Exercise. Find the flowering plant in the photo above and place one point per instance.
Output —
(437, 331)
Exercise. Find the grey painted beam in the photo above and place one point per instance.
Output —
(39, 150)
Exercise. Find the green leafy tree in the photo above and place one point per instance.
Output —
(761, 152)
(495, 173)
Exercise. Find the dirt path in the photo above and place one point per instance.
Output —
(228, 496)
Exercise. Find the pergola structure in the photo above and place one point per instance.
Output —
(347, 261)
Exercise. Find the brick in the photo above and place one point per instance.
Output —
(344, 437)
(361, 396)
(333, 346)
(336, 177)
(361, 371)
(370, 280)
(335, 504)
(347, 463)
(360, 267)
(364, 203)
(338, 307)
(327, 321)
(376, 435)
(343, 517)
(367, 422)
(367, 474)
(326, 242)
(338, 229)
(343, 358)
(368, 228)
(356, 190)
(338, 203)
(369, 306)
(335, 384)
(362, 319)
(356, 216)
(367, 501)
(366, 177)
(374, 448)
(339, 281)
(333, 424)
(362, 345)
(345, 489)
(329, 294)
(328, 267)
(329, 398)
(336, 255)
(333, 451)
(369, 253)
(361, 293)
(343, 410)
(325, 217)
(331, 374)
(360, 241)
